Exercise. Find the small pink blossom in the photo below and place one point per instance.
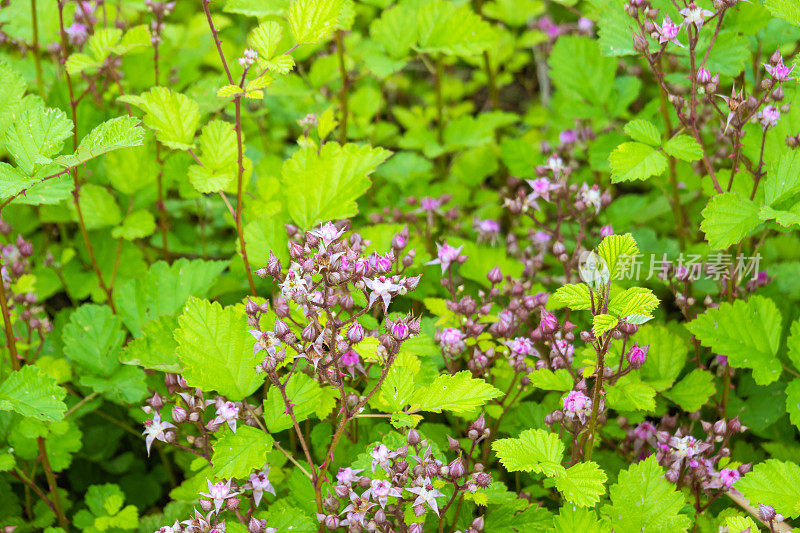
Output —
(606, 231)
(521, 346)
(347, 475)
(446, 255)
(729, 476)
(780, 71)
(218, 493)
(668, 31)
(575, 401)
(154, 429)
(228, 412)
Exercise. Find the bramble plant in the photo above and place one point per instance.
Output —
(399, 266)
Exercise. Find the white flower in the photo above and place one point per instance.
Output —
(154, 429)
(426, 494)
(228, 412)
(327, 234)
(695, 15)
(380, 456)
(381, 490)
(382, 288)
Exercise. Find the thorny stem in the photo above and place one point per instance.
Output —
(598, 390)
(51, 483)
(75, 179)
(237, 101)
(10, 340)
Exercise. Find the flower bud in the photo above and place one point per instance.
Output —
(273, 266)
(703, 75)
(309, 333)
(413, 437)
(355, 333)
(457, 468)
(250, 307)
(478, 524)
(179, 414)
(637, 355)
(495, 275)
(256, 525)
(766, 513)
(482, 479)
(453, 444)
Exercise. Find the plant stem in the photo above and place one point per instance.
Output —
(237, 101)
(492, 82)
(598, 390)
(10, 341)
(73, 104)
(51, 483)
(35, 47)
(345, 87)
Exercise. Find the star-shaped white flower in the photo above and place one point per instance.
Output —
(154, 429)
(426, 494)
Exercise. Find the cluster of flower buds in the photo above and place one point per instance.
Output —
(158, 8)
(328, 272)
(248, 58)
(227, 496)
(407, 477)
(192, 418)
(690, 461)
(15, 262)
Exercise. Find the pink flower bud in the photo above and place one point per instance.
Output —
(355, 333)
(637, 355)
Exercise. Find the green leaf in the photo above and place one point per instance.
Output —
(793, 344)
(635, 161)
(155, 349)
(582, 484)
(218, 155)
(114, 134)
(693, 391)
(783, 178)
(458, 393)
(173, 116)
(615, 248)
(643, 131)
(396, 30)
(775, 483)
(444, 28)
(747, 332)
(102, 42)
(78, 63)
(324, 186)
(665, 358)
(728, 218)
(137, 225)
(630, 394)
(307, 398)
(580, 71)
(215, 349)
(99, 207)
(30, 392)
(788, 10)
(643, 501)
(264, 235)
(784, 218)
(684, 148)
(602, 324)
(12, 90)
(136, 39)
(793, 402)
(546, 379)
(93, 338)
(571, 518)
(573, 295)
(313, 20)
(236, 455)
(535, 450)
(633, 301)
(398, 387)
(740, 524)
(12, 181)
(36, 134)
(164, 290)
(265, 38)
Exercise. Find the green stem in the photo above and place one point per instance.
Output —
(51, 484)
(343, 103)
(35, 47)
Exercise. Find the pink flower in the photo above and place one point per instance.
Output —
(780, 71)
(446, 255)
(564, 347)
(347, 475)
(381, 263)
(769, 116)
(549, 322)
(327, 233)
(260, 484)
(350, 358)
(703, 75)
(381, 490)
(541, 188)
(645, 430)
(219, 492)
(521, 346)
(380, 456)
(228, 412)
(569, 136)
(575, 401)
(729, 476)
(606, 231)
(668, 31)
(637, 355)
(430, 204)
(542, 237)
(452, 341)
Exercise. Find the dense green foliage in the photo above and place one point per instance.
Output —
(414, 265)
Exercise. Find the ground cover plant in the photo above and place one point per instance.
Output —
(399, 266)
